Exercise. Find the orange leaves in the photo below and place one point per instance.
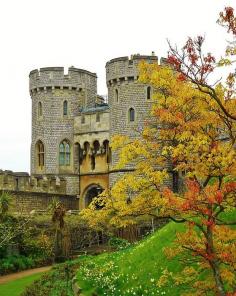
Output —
(219, 197)
(230, 187)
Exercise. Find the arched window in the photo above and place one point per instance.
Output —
(86, 147)
(149, 90)
(107, 151)
(131, 114)
(64, 153)
(97, 117)
(65, 108)
(40, 109)
(117, 95)
(96, 147)
(40, 154)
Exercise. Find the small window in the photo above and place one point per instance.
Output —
(65, 108)
(117, 95)
(40, 109)
(97, 117)
(64, 153)
(82, 119)
(40, 154)
(131, 115)
(149, 92)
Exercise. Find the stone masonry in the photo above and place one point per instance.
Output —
(66, 110)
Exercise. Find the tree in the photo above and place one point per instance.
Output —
(191, 133)
(62, 238)
(186, 134)
(10, 226)
(192, 64)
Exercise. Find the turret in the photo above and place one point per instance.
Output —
(129, 100)
(57, 99)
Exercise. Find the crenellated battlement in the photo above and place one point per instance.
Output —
(55, 78)
(12, 181)
(125, 69)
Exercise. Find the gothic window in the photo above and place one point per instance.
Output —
(97, 117)
(65, 108)
(117, 95)
(40, 154)
(40, 109)
(131, 114)
(149, 92)
(64, 153)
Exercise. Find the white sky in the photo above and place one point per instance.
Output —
(85, 34)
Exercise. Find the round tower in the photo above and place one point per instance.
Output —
(129, 100)
(56, 99)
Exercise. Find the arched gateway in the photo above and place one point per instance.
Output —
(92, 191)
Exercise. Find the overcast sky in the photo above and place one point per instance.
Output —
(85, 34)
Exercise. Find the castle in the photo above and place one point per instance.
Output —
(71, 129)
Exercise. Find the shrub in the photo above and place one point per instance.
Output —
(15, 263)
(118, 243)
(58, 282)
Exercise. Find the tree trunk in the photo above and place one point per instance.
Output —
(213, 263)
(218, 279)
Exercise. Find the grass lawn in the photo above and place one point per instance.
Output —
(136, 270)
(16, 287)
(133, 271)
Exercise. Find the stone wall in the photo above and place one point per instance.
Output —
(25, 202)
(13, 181)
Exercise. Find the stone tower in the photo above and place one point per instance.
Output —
(56, 100)
(129, 100)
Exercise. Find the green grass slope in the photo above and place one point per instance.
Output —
(16, 287)
(133, 271)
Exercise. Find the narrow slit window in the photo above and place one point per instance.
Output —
(97, 117)
(40, 109)
(65, 108)
(149, 93)
(117, 95)
(131, 114)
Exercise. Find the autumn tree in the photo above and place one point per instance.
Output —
(196, 66)
(186, 133)
(191, 132)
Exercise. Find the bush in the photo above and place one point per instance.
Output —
(15, 263)
(57, 282)
(118, 243)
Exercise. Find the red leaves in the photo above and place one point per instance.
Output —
(182, 77)
(209, 59)
(219, 197)
(173, 61)
(228, 19)
(192, 63)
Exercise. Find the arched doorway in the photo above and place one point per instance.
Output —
(92, 191)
